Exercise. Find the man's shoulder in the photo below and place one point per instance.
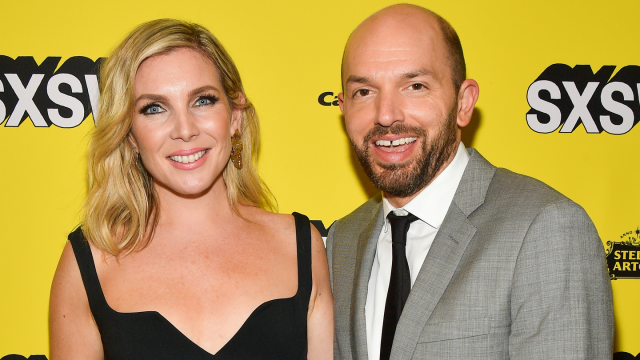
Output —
(523, 188)
(520, 194)
(361, 216)
(522, 199)
(505, 183)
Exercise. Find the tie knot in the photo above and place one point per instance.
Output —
(400, 225)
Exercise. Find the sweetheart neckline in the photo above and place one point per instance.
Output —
(88, 272)
(172, 326)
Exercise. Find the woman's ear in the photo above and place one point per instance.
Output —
(134, 143)
(236, 114)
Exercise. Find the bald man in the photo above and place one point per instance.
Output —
(455, 259)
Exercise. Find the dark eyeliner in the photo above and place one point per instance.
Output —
(146, 108)
(212, 98)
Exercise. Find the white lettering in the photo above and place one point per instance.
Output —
(94, 94)
(616, 108)
(533, 97)
(580, 110)
(25, 100)
(68, 101)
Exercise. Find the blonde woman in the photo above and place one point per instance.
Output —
(176, 257)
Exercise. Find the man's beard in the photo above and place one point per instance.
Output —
(406, 179)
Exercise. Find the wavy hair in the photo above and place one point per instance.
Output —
(120, 213)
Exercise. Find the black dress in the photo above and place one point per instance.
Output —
(277, 329)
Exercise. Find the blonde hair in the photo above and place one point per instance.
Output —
(121, 208)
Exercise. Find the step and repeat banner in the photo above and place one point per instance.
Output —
(559, 101)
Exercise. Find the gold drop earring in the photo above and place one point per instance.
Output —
(236, 150)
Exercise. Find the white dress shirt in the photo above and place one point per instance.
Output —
(430, 206)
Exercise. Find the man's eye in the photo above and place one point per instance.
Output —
(151, 109)
(362, 92)
(417, 87)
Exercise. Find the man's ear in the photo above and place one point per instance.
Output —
(341, 102)
(467, 98)
(236, 114)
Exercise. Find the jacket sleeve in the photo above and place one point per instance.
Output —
(561, 302)
(336, 349)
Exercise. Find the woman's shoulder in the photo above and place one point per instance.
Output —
(284, 225)
(268, 219)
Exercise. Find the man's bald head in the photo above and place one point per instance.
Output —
(424, 20)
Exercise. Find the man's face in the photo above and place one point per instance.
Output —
(399, 104)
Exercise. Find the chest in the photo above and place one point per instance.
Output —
(207, 292)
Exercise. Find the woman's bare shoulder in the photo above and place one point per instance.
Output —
(268, 219)
(69, 313)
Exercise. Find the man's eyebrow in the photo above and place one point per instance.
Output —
(358, 79)
(416, 73)
(407, 75)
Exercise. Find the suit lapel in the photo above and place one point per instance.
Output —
(443, 258)
(364, 261)
(435, 274)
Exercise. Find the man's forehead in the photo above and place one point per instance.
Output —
(398, 22)
(402, 58)
(388, 38)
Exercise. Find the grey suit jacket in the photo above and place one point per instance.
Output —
(516, 271)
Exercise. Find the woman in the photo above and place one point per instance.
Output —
(180, 261)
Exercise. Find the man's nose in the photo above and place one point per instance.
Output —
(184, 126)
(388, 108)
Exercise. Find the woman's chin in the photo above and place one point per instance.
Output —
(189, 190)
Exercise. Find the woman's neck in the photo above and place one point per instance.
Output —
(184, 211)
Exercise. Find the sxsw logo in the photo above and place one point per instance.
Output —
(50, 93)
(563, 98)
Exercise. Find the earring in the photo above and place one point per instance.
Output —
(236, 150)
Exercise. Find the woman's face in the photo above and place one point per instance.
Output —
(182, 122)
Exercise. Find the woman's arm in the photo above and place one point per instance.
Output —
(320, 318)
(72, 332)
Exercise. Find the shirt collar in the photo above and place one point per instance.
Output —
(432, 203)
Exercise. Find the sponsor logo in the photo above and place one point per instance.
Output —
(20, 357)
(328, 99)
(563, 98)
(623, 257)
(50, 93)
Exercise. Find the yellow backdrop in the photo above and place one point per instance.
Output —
(288, 53)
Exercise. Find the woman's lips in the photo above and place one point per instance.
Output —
(188, 159)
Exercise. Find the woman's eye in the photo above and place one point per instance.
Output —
(151, 109)
(206, 100)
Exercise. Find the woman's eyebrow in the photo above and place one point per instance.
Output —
(152, 97)
(202, 89)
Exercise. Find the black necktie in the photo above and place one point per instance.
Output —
(399, 283)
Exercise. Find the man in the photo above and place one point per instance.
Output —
(477, 262)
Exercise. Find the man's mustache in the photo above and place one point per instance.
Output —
(397, 128)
